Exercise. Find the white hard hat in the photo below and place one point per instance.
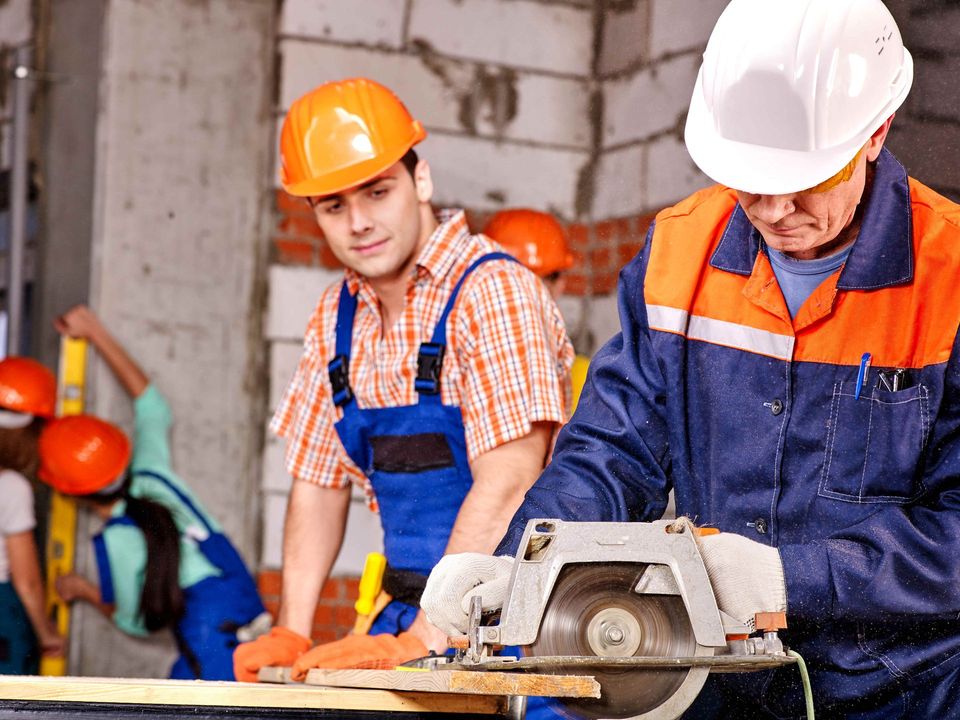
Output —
(790, 90)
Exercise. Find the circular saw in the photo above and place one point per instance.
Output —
(629, 604)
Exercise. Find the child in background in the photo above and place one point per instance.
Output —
(28, 393)
(163, 560)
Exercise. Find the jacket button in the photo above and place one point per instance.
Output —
(776, 407)
(760, 525)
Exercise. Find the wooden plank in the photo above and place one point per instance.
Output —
(233, 694)
(459, 681)
(492, 683)
(274, 674)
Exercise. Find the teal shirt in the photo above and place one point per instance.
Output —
(125, 545)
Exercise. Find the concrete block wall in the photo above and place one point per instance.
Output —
(177, 255)
(575, 108)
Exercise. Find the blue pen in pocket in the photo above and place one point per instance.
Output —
(862, 374)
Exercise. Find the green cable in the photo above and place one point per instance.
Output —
(805, 676)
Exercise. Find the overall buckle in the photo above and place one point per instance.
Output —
(429, 363)
(338, 370)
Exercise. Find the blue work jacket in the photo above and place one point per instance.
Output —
(753, 418)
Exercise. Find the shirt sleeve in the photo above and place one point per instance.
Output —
(122, 563)
(512, 371)
(151, 431)
(16, 510)
(306, 418)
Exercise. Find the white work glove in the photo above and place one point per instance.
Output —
(747, 576)
(456, 579)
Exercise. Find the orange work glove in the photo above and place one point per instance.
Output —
(370, 652)
(278, 647)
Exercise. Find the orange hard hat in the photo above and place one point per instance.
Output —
(535, 238)
(82, 454)
(26, 386)
(342, 134)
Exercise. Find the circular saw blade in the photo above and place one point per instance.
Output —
(593, 611)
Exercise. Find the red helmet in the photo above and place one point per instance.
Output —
(534, 238)
(82, 454)
(26, 386)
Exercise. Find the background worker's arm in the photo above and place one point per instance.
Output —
(26, 580)
(81, 322)
(501, 478)
(75, 587)
(312, 536)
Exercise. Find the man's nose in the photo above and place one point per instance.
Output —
(360, 222)
(771, 209)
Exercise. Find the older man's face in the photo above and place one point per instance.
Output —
(808, 225)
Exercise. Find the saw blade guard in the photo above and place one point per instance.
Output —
(613, 590)
(672, 560)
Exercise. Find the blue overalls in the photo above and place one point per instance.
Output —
(18, 644)
(214, 608)
(415, 455)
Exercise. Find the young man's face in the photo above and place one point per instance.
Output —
(807, 224)
(376, 228)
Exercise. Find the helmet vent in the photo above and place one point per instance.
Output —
(882, 38)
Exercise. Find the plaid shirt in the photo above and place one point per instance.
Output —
(507, 364)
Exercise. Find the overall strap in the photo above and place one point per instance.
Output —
(338, 368)
(181, 496)
(430, 357)
(104, 571)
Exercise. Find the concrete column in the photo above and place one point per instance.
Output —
(174, 129)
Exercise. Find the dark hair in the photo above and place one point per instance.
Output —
(162, 599)
(161, 602)
(410, 161)
(18, 448)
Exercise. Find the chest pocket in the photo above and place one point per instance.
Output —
(874, 445)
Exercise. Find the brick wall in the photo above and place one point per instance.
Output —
(334, 616)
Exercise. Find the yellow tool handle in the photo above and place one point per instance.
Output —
(371, 581)
(62, 534)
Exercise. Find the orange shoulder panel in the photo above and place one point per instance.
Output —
(680, 275)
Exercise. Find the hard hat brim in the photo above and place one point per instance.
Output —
(775, 171)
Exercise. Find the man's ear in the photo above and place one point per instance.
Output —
(423, 181)
(875, 143)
